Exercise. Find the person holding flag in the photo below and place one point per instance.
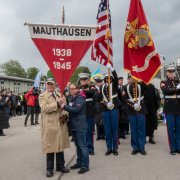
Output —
(133, 96)
(102, 52)
(110, 102)
(143, 62)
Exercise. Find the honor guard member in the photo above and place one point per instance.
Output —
(171, 90)
(136, 115)
(123, 110)
(110, 104)
(89, 92)
(98, 115)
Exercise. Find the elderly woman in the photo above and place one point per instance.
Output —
(78, 127)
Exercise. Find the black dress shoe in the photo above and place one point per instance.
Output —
(49, 174)
(134, 152)
(91, 153)
(63, 170)
(143, 152)
(152, 141)
(122, 137)
(83, 170)
(108, 153)
(2, 134)
(33, 124)
(178, 151)
(173, 153)
(115, 152)
(103, 138)
(75, 166)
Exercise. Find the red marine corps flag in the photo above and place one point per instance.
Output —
(102, 46)
(62, 47)
(140, 56)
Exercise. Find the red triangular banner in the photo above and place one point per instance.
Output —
(62, 47)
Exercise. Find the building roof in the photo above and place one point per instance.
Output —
(16, 78)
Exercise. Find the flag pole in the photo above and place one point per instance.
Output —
(63, 16)
(136, 46)
(108, 35)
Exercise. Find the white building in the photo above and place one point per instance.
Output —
(17, 84)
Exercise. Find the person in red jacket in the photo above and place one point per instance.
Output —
(31, 97)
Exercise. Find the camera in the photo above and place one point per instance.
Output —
(35, 91)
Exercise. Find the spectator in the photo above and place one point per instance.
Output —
(31, 98)
(37, 111)
(4, 112)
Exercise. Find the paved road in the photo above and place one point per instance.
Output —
(21, 158)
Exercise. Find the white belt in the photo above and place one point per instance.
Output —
(172, 97)
(136, 99)
(112, 97)
(89, 99)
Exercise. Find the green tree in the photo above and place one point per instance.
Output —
(79, 69)
(31, 72)
(13, 68)
(49, 74)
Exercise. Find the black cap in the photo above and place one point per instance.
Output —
(84, 76)
(120, 78)
(129, 75)
(97, 79)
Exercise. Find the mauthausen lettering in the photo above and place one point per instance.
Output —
(58, 31)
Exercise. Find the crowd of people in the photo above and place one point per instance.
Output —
(12, 105)
(106, 106)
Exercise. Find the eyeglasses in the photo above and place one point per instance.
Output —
(71, 89)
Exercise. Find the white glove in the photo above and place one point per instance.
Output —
(109, 105)
(136, 106)
(108, 65)
(178, 86)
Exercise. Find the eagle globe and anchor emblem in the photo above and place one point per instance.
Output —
(138, 38)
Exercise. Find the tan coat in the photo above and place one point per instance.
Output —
(55, 137)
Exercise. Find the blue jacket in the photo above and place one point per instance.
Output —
(77, 113)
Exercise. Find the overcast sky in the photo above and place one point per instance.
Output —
(163, 17)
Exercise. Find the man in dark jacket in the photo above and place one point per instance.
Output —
(4, 112)
(78, 127)
(123, 110)
(98, 108)
(151, 103)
